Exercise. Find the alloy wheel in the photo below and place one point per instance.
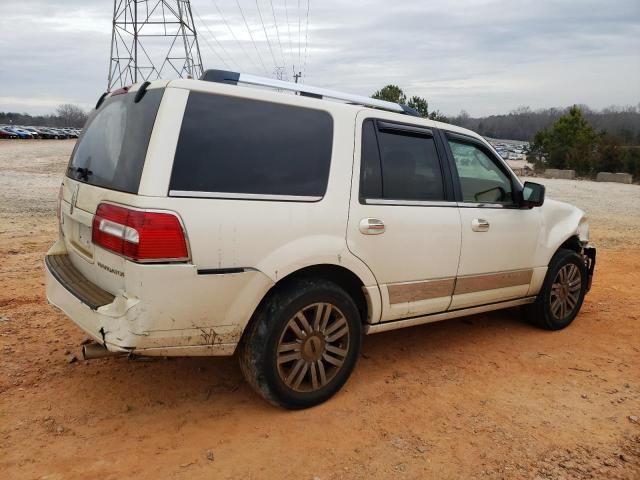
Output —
(565, 291)
(313, 347)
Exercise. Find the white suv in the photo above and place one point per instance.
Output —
(201, 217)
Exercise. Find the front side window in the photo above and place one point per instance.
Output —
(481, 180)
(231, 145)
(399, 165)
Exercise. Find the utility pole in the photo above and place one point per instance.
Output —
(279, 73)
(153, 39)
(297, 75)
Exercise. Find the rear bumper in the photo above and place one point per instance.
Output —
(590, 258)
(61, 294)
(169, 321)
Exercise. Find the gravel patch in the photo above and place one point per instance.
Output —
(613, 209)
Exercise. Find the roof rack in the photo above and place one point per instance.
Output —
(235, 78)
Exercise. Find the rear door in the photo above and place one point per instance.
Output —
(106, 165)
(403, 222)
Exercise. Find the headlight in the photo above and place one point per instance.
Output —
(583, 231)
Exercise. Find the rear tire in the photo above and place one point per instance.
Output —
(302, 344)
(562, 292)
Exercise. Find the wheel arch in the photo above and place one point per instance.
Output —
(337, 274)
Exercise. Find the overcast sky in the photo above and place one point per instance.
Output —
(484, 56)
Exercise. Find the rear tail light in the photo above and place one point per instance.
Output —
(139, 235)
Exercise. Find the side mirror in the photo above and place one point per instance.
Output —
(532, 195)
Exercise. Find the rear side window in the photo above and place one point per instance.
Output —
(111, 151)
(399, 164)
(231, 145)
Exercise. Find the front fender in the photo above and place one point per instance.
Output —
(560, 221)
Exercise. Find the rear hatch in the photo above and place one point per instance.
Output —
(105, 166)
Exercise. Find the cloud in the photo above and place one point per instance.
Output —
(484, 56)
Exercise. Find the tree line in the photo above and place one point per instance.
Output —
(523, 123)
(66, 115)
(573, 143)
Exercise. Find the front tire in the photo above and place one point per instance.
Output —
(302, 344)
(562, 292)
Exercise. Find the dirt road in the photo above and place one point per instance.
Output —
(481, 396)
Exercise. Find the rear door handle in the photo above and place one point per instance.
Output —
(479, 225)
(371, 226)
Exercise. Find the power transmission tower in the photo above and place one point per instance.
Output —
(151, 39)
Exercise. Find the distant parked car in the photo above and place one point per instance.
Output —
(37, 132)
(43, 132)
(61, 133)
(70, 132)
(6, 133)
(54, 133)
(21, 133)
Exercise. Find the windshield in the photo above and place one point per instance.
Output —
(111, 151)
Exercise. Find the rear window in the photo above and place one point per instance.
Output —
(111, 151)
(231, 146)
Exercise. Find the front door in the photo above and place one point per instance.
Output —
(499, 239)
(403, 221)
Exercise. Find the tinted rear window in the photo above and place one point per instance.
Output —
(111, 151)
(239, 146)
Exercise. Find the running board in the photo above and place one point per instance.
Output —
(436, 317)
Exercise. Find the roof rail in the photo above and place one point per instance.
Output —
(235, 78)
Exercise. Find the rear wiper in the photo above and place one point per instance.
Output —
(83, 173)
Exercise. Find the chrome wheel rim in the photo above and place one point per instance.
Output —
(565, 291)
(313, 347)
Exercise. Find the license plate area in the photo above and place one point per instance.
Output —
(79, 235)
(84, 236)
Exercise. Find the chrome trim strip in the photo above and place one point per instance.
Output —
(492, 281)
(409, 203)
(436, 317)
(422, 290)
(242, 196)
(480, 205)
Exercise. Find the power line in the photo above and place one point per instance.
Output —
(216, 40)
(286, 12)
(275, 22)
(244, 51)
(275, 63)
(306, 39)
(251, 36)
(299, 18)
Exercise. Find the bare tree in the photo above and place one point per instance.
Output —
(71, 115)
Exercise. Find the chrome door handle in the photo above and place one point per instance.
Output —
(479, 225)
(371, 226)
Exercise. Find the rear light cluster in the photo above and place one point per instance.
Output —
(139, 235)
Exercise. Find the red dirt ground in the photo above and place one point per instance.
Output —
(484, 395)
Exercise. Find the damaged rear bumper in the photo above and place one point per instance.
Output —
(118, 321)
